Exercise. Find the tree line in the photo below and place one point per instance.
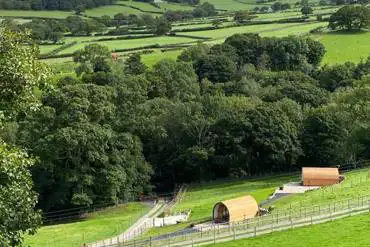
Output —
(52, 4)
(118, 129)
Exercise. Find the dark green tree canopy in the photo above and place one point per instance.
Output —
(350, 17)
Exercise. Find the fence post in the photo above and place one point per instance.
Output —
(214, 234)
(255, 227)
(150, 241)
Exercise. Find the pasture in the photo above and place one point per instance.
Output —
(342, 47)
(99, 225)
(111, 10)
(201, 198)
(35, 14)
(152, 58)
(132, 43)
(356, 184)
(351, 231)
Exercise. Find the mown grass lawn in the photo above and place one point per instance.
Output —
(343, 46)
(98, 226)
(356, 184)
(348, 232)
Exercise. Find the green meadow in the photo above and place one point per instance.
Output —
(356, 184)
(33, 13)
(351, 231)
(341, 46)
(98, 226)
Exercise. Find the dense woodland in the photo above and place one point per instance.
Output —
(52, 4)
(118, 129)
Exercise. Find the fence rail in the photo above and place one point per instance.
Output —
(261, 225)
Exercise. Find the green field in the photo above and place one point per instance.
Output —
(351, 231)
(265, 30)
(292, 30)
(201, 198)
(342, 47)
(110, 10)
(132, 43)
(228, 5)
(356, 184)
(47, 48)
(98, 226)
(33, 13)
(141, 5)
(152, 58)
(171, 6)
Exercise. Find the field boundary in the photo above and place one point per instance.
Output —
(259, 225)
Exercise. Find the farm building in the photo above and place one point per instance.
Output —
(235, 209)
(320, 176)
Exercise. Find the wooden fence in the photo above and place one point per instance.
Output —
(216, 233)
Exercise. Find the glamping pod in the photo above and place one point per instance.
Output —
(320, 176)
(237, 209)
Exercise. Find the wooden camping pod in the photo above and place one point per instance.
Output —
(237, 209)
(320, 176)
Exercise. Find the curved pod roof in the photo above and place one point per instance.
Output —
(240, 208)
(319, 176)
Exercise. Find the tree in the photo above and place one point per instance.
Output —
(215, 68)
(17, 213)
(92, 58)
(86, 155)
(216, 23)
(336, 76)
(161, 26)
(20, 71)
(350, 17)
(173, 80)
(242, 16)
(322, 138)
(306, 10)
(134, 65)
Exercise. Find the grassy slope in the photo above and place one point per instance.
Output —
(348, 232)
(133, 43)
(152, 58)
(31, 13)
(201, 198)
(343, 47)
(111, 10)
(272, 29)
(47, 48)
(355, 184)
(228, 4)
(98, 226)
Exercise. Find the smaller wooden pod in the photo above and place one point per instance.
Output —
(237, 209)
(320, 176)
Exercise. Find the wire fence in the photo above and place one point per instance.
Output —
(215, 233)
(119, 227)
(294, 210)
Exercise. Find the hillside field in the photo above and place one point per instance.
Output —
(342, 46)
(351, 231)
(99, 225)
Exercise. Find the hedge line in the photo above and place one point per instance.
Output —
(57, 50)
(189, 36)
(121, 38)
